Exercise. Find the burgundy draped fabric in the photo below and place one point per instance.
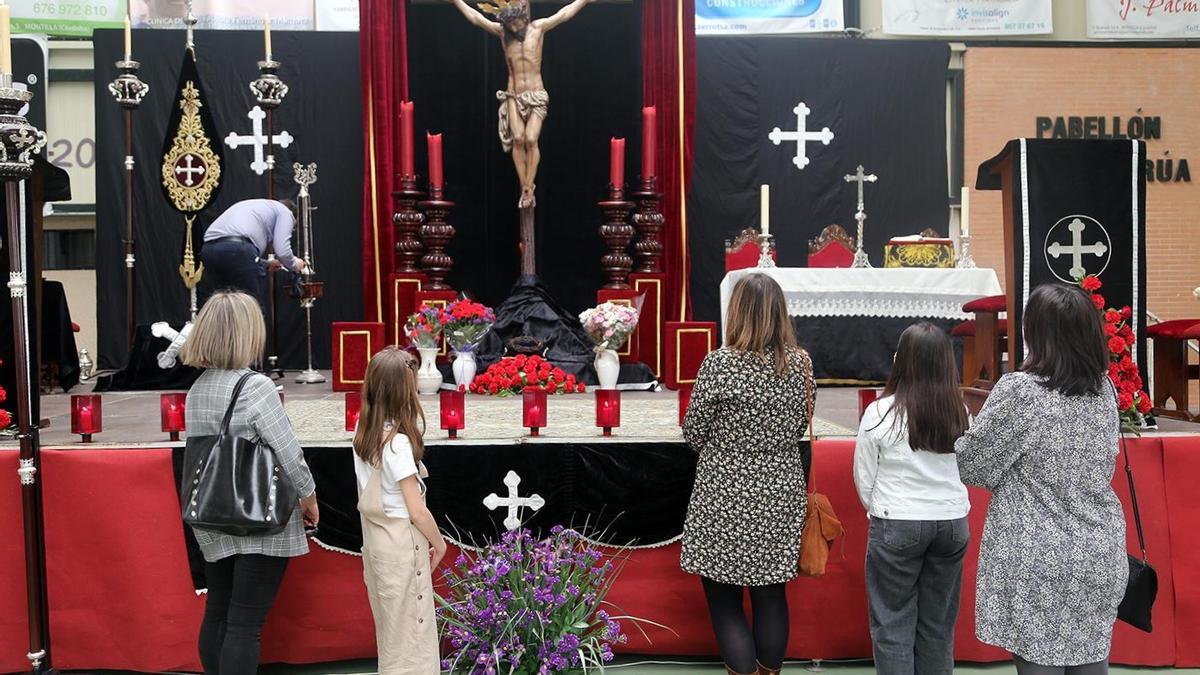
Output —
(383, 46)
(669, 59)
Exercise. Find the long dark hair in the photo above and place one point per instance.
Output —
(1064, 340)
(757, 320)
(923, 385)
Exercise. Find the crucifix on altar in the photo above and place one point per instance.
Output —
(861, 177)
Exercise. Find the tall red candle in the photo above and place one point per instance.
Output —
(649, 141)
(436, 179)
(616, 162)
(406, 139)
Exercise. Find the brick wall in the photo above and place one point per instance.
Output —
(1006, 89)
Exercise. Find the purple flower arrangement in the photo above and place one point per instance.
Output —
(529, 607)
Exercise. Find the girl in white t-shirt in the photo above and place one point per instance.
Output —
(401, 542)
(907, 478)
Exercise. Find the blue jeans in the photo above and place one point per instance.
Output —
(233, 264)
(914, 579)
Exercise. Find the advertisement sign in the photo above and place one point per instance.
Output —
(966, 18)
(223, 14)
(763, 17)
(66, 17)
(1143, 19)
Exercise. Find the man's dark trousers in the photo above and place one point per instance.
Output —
(233, 263)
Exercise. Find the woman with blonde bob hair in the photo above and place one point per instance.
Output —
(243, 572)
(747, 416)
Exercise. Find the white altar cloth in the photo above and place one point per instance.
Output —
(904, 292)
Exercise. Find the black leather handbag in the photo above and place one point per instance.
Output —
(235, 485)
(1142, 587)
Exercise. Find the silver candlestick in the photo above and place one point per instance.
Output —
(861, 177)
(764, 251)
(311, 288)
(965, 261)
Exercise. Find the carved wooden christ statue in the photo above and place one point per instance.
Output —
(524, 103)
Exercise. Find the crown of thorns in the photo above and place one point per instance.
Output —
(504, 10)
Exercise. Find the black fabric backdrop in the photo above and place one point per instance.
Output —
(1095, 179)
(322, 112)
(884, 101)
(617, 493)
(592, 70)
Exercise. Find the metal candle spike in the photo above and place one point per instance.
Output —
(311, 288)
(19, 141)
(860, 176)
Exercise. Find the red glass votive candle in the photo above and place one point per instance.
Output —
(865, 398)
(534, 401)
(353, 409)
(86, 415)
(173, 409)
(608, 409)
(685, 397)
(453, 411)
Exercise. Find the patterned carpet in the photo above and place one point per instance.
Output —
(645, 417)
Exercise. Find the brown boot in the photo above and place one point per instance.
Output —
(763, 670)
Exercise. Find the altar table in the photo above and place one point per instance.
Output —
(849, 319)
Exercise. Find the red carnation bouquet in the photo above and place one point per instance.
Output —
(1132, 400)
(424, 328)
(466, 323)
(511, 375)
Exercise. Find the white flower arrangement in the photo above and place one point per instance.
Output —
(609, 324)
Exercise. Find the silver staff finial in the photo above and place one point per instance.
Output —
(190, 22)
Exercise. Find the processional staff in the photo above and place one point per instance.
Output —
(311, 290)
(19, 141)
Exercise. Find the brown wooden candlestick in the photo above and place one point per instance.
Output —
(408, 220)
(617, 233)
(436, 233)
(648, 220)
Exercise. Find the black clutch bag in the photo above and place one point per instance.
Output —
(235, 485)
(1142, 587)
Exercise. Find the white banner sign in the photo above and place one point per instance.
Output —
(760, 17)
(1143, 19)
(967, 18)
(223, 14)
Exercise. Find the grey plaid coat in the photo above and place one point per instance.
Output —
(258, 414)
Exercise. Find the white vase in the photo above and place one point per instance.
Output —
(464, 368)
(429, 378)
(608, 368)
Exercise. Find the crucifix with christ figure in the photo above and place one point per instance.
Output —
(861, 177)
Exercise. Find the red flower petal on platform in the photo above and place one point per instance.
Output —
(1126, 313)
(1143, 403)
(3, 395)
(1112, 316)
(1098, 301)
(5, 419)
(551, 387)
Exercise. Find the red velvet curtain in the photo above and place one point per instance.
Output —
(669, 82)
(383, 50)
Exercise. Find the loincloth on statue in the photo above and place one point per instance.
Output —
(529, 103)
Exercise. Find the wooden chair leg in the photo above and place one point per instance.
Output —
(1170, 378)
(970, 361)
(986, 350)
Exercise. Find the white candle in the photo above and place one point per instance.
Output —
(267, 34)
(128, 39)
(765, 209)
(965, 212)
(5, 44)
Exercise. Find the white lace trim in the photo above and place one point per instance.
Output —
(879, 306)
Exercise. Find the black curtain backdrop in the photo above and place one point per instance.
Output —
(592, 70)
(322, 111)
(884, 101)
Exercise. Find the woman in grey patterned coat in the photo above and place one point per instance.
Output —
(242, 573)
(746, 418)
(1052, 565)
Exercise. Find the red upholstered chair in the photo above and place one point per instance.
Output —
(986, 333)
(743, 250)
(1173, 374)
(832, 248)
